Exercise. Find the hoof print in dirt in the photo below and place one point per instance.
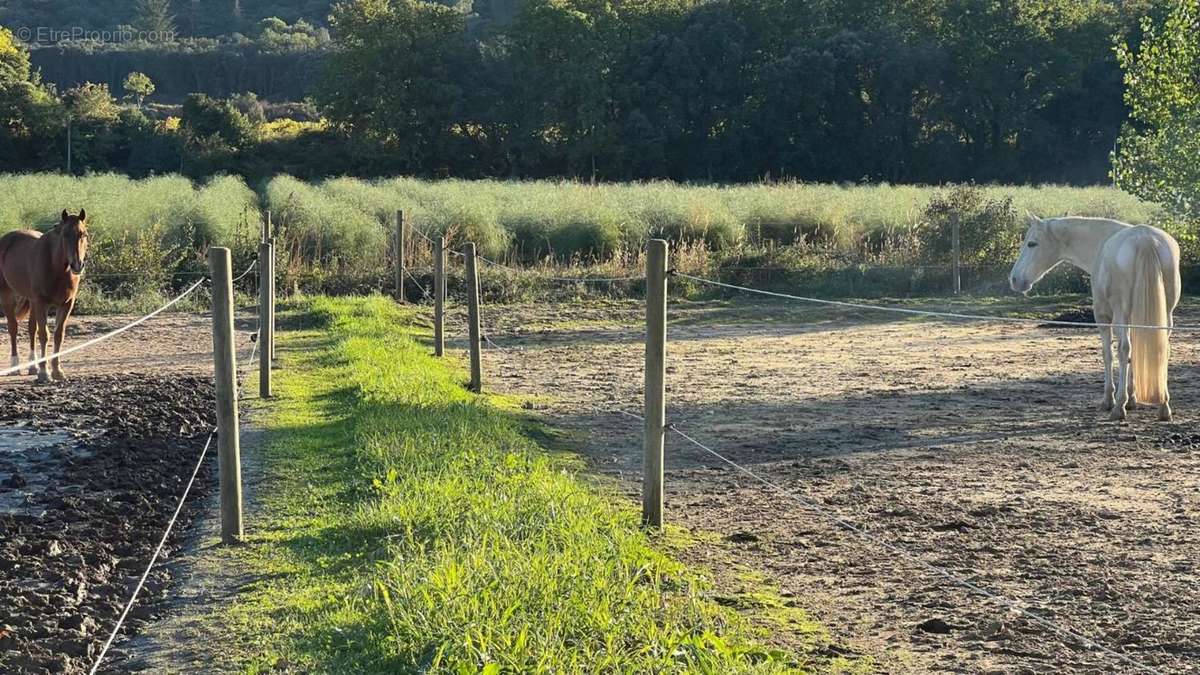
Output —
(742, 538)
(1180, 442)
(937, 626)
(726, 601)
(952, 526)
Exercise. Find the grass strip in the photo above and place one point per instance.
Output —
(409, 526)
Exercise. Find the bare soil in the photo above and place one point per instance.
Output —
(974, 448)
(90, 472)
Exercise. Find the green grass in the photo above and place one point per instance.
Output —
(148, 238)
(335, 235)
(410, 526)
(530, 220)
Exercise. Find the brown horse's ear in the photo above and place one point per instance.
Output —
(65, 215)
(82, 215)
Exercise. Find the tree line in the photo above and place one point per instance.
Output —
(181, 18)
(821, 90)
(220, 70)
(913, 91)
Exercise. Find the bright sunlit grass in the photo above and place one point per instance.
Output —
(413, 527)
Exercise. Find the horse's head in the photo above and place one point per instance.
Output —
(74, 234)
(1040, 252)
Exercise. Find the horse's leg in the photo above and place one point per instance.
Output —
(1171, 286)
(1133, 399)
(32, 370)
(1123, 348)
(60, 328)
(13, 327)
(41, 314)
(1106, 338)
(1164, 408)
(1104, 314)
(10, 313)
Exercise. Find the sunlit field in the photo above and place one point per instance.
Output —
(149, 235)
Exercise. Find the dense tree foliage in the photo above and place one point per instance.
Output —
(280, 61)
(732, 90)
(138, 86)
(154, 20)
(14, 60)
(904, 90)
(28, 111)
(191, 18)
(1159, 153)
(401, 78)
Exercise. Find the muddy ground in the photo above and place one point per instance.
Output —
(90, 473)
(975, 448)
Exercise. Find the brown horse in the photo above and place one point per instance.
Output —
(38, 272)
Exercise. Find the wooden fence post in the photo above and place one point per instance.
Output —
(401, 241)
(473, 333)
(225, 368)
(439, 297)
(656, 376)
(266, 321)
(271, 295)
(955, 227)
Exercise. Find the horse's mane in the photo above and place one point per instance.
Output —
(1085, 220)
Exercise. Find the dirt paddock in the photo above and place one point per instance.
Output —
(977, 448)
(90, 473)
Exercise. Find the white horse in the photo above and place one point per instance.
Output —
(1135, 281)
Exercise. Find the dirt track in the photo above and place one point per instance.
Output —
(90, 473)
(977, 448)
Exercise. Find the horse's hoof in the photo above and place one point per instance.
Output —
(1118, 415)
(58, 376)
(1106, 404)
(32, 370)
(42, 378)
(1164, 413)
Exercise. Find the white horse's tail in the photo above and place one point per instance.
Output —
(1148, 307)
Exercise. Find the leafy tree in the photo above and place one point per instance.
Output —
(1157, 155)
(139, 86)
(154, 19)
(29, 113)
(400, 78)
(148, 147)
(563, 56)
(14, 59)
(989, 233)
(92, 102)
(253, 109)
(93, 117)
(276, 36)
(210, 121)
(217, 135)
